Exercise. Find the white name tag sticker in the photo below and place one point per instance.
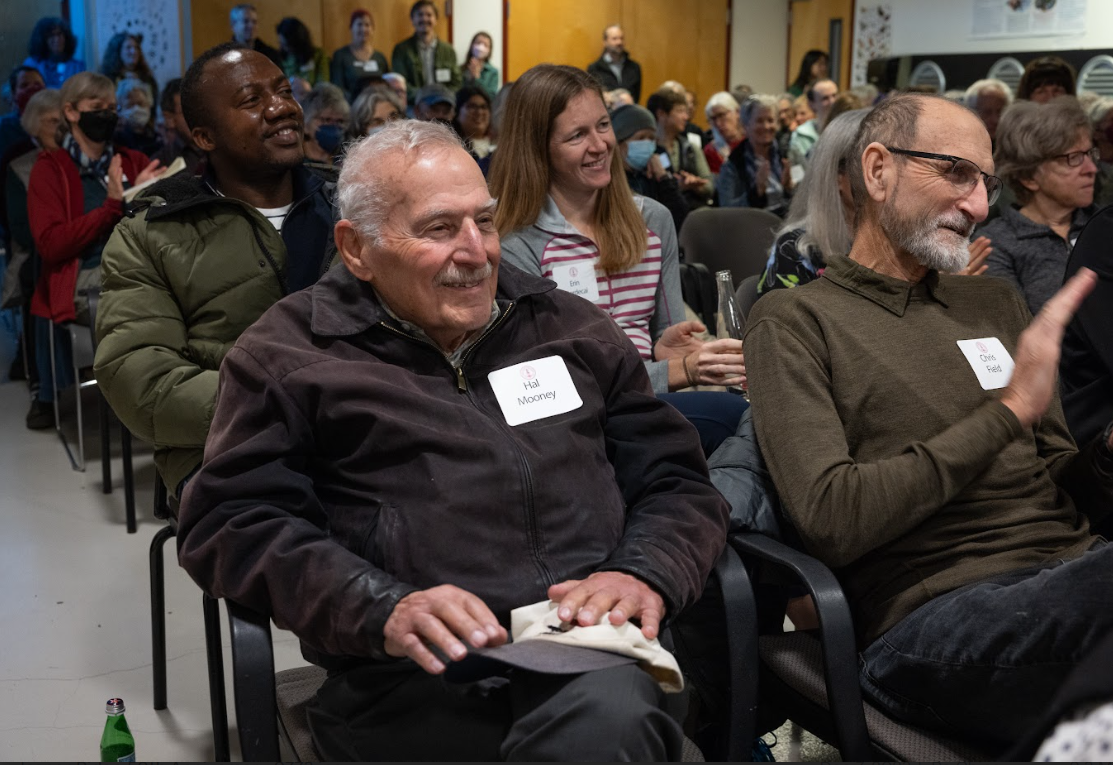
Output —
(535, 390)
(371, 66)
(665, 161)
(990, 361)
(443, 75)
(578, 278)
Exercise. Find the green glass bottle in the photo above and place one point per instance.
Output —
(116, 743)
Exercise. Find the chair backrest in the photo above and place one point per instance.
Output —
(746, 294)
(735, 239)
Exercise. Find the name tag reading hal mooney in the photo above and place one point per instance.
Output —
(535, 390)
(991, 363)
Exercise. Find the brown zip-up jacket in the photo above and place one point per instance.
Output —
(349, 464)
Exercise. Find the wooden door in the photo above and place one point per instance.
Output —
(569, 32)
(810, 26)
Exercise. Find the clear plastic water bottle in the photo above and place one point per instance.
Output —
(116, 743)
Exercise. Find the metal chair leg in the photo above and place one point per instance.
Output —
(221, 745)
(54, 378)
(129, 476)
(158, 616)
(105, 444)
(80, 415)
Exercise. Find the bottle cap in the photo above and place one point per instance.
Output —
(114, 707)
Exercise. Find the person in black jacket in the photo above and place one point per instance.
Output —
(615, 68)
(636, 132)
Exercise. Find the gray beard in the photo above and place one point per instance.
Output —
(920, 238)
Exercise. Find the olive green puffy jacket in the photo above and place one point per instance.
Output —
(181, 280)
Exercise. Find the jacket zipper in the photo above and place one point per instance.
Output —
(532, 532)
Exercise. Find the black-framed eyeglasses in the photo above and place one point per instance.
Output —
(1074, 158)
(963, 174)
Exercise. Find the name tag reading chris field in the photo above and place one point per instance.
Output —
(579, 279)
(534, 390)
(990, 361)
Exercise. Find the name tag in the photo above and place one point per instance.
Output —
(308, 66)
(370, 66)
(534, 390)
(579, 279)
(442, 75)
(990, 361)
(666, 163)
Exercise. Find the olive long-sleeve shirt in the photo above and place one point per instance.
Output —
(897, 468)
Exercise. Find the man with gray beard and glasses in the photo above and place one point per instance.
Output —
(912, 426)
(423, 442)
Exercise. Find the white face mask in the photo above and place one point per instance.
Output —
(136, 116)
(480, 51)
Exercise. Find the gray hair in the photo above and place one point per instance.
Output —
(394, 77)
(38, 106)
(1030, 134)
(975, 91)
(1099, 110)
(361, 195)
(324, 95)
(126, 86)
(721, 100)
(364, 108)
(753, 106)
(817, 207)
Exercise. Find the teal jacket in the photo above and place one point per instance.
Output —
(406, 61)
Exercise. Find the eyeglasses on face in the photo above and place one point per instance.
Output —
(1074, 158)
(963, 174)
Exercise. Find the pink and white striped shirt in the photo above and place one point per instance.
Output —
(629, 296)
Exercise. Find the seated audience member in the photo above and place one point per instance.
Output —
(820, 97)
(635, 130)
(1045, 153)
(755, 174)
(473, 120)
(951, 502)
(803, 110)
(300, 57)
(813, 67)
(695, 133)
(989, 99)
(358, 59)
(1101, 122)
(1046, 78)
(75, 196)
(686, 162)
(51, 50)
(182, 144)
(843, 103)
(136, 128)
(423, 59)
(477, 68)
(300, 89)
(867, 92)
(612, 479)
(435, 102)
(204, 257)
(820, 219)
(726, 129)
(123, 60)
(616, 98)
(586, 218)
(245, 22)
(741, 93)
(371, 112)
(397, 83)
(614, 68)
(24, 82)
(325, 112)
(786, 122)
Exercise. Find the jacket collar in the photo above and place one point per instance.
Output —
(343, 305)
(1025, 228)
(891, 294)
(181, 191)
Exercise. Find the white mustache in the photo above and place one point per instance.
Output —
(463, 277)
(956, 221)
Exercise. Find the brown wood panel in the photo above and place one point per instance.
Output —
(810, 28)
(210, 26)
(573, 36)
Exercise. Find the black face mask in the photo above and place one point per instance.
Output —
(98, 126)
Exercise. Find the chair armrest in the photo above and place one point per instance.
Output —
(740, 609)
(253, 683)
(836, 635)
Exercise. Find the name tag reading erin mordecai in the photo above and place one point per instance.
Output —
(535, 390)
(990, 361)
(579, 279)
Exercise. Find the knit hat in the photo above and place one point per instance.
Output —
(629, 119)
(542, 643)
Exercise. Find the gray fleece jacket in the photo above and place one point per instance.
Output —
(524, 248)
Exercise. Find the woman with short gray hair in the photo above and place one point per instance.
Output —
(1046, 155)
(989, 99)
(373, 109)
(755, 174)
(726, 129)
(326, 116)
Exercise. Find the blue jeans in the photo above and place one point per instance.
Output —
(981, 663)
(714, 414)
(63, 360)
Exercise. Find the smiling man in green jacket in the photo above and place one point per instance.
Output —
(423, 59)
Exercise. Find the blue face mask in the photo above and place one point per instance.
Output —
(639, 152)
(329, 137)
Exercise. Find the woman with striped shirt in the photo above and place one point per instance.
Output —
(567, 213)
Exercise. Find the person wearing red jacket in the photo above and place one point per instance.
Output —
(74, 199)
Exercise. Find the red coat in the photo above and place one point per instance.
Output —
(61, 229)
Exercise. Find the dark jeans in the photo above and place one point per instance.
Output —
(396, 712)
(715, 414)
(982, 662)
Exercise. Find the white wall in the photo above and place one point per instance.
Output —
(943, 26)
(759, 44)
(471, 16)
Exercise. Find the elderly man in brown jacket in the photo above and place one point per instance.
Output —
(911, 424)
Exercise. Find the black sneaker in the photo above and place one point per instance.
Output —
(41, 415)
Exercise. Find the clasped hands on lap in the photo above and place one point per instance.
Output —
(452, 619)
